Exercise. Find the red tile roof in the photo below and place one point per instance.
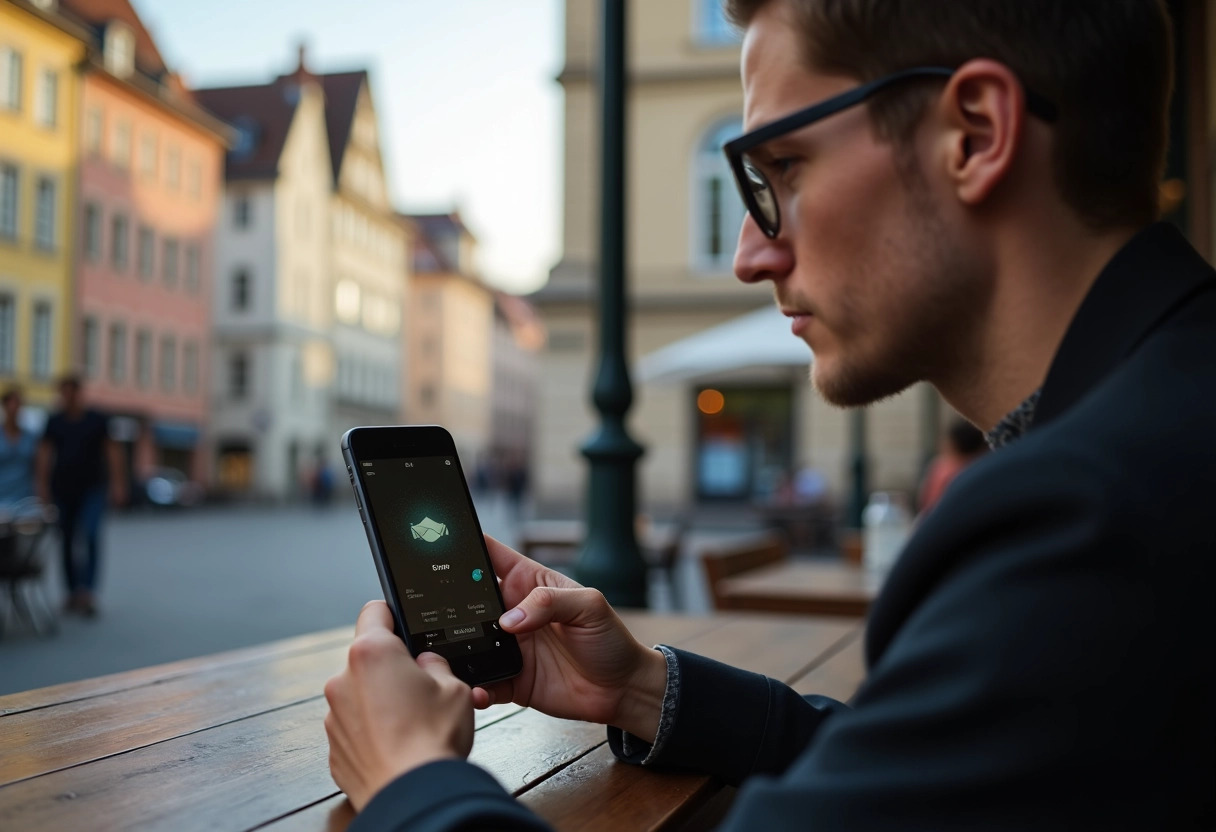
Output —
(264, 112)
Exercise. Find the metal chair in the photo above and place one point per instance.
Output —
(23, 534)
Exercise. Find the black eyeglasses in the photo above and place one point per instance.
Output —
(754, 186)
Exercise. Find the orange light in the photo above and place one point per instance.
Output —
(710, 402)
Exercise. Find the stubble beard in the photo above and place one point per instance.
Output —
(938, 294)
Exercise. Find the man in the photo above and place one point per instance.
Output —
(1042, 653)
(75, 462)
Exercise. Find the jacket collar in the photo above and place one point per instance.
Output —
(1146, 279)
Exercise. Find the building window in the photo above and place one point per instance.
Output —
(238, 376)
(44, 214)
(147, 156)
(120, 242)
(10, 78)
(118, 353)
(193, 268)
(94, 127)
(717, 208)
(168, 363)
(9, 183)
(118, 50)
(122, 145)
(41, 363)
(347, 301)
(8, 333)
(90, 347)
(143, 358)
(711, 25)
(194, 180)
(170, 264)
(92, 232)
(240, 290)
(173, 168)
(47, 109)
(147, 252)
(190, 368)
(242, 212)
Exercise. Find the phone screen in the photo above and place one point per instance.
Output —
(434, 553)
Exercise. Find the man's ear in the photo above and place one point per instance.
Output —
(984, 110)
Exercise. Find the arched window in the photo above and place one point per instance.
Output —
(717, 210)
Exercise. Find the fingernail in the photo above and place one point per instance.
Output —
(511, 618)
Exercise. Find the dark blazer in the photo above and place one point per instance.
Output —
(1042, 655)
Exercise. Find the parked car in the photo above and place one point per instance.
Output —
(170, 487)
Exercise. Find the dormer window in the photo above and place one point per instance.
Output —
(119, 49)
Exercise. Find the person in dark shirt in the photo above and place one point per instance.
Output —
(78, 466)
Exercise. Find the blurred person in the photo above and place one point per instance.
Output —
(982, 217)
(961, 444)
(18, 447)
(78, 466)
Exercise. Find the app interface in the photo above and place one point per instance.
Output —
(435, 556)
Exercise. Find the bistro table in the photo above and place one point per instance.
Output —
(235, 741)
(812, 588)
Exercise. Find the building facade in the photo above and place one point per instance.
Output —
(683, 215)
(151, 170)
(40, 51)
(451, 334)
(369, 268)
(272, 357)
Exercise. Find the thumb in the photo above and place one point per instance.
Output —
(548, 604)
(436, 665)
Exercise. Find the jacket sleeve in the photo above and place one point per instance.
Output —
(446, 796)
(727, 722)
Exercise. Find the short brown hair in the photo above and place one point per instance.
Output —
(1106, 64)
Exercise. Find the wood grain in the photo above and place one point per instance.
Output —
(59, 694)
(801, 587)
(599, 793)
(840, 674)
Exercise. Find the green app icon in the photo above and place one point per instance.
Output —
(428, 530)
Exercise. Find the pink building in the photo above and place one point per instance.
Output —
(150, 180)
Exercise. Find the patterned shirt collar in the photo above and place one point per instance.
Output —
(1015, 423)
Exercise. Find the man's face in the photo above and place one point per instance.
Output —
(69, 395)
(865, 261)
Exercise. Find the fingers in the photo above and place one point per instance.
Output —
(375, 615)
(546, 604)
(487, 695)
(435, 665)
(506, 560)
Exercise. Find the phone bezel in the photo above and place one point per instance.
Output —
(413, 441)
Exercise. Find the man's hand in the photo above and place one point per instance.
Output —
(389, 713)
(580, 661)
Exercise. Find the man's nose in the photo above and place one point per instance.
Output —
(759, 258)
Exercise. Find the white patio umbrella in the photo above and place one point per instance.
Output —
(758, 339)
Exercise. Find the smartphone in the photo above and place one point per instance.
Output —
(428, 547)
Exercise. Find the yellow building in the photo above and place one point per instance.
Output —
(39, 55)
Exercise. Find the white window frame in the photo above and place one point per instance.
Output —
(170, 257)
(190, 367)
(143, 358)
(168, 363)
(90, 346)
(8, 332)
(12, 78)
(145, 240)
(117, 353)
(93, 228)
(241, 358)
(42, 344)
(121, 148)
(94, 131)
(708, 165)
(46, 106)
(120, 243)
(10, 201)
(46, 226)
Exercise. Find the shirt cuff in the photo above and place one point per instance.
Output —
(632, 747)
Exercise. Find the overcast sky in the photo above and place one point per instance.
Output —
(469, 109)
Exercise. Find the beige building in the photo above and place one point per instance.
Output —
(450, 334)
(683, 216)
(368, 267)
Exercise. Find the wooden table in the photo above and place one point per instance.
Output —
(808, 587)
(236, 741)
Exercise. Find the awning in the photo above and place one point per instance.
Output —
(758, 339)
(180, 435)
